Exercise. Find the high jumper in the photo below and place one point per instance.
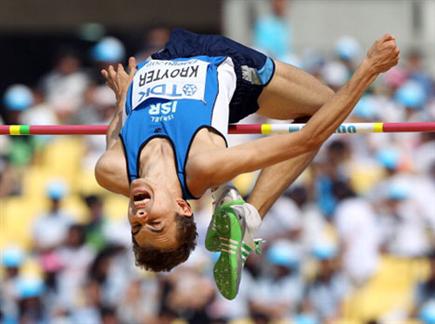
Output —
(166, 143)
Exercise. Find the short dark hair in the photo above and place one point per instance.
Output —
(150, 258)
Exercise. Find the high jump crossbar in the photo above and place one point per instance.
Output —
(264, 129)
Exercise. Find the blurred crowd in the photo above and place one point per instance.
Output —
(362, 207)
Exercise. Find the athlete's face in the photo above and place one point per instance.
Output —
(151, 213)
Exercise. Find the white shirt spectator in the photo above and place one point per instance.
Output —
(41, 114)
(283, 217)
(424, 156)
(65, 92)
(50, 230)
(327, 297)
(75, 262)
(313, 226)
(284, 291)
(357, 229)
(409, 238)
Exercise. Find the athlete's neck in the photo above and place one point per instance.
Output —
(157, 162)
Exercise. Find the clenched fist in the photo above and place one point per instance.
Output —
(383, 55)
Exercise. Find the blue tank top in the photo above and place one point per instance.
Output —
(171, 99)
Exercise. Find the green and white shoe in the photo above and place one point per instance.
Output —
(227, 198)
(228, 233)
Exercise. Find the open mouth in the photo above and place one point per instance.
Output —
(141, 196)
(140, 199)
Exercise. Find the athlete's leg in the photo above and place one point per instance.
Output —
(290, 94)
(274, 180)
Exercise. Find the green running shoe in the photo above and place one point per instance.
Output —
(226, 233)
(228, 197)
(227, 270)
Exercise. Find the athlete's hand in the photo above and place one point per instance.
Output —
(383, 55)
(118, 80)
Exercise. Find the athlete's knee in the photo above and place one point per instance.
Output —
(326, 94)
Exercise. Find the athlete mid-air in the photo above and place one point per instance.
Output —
(166, 143)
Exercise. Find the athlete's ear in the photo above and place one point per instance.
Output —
(186, 210)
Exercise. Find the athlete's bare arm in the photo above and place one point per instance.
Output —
(110, 171)
(222, 165)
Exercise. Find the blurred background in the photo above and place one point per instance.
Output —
(352, 241)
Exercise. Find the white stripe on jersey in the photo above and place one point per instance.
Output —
(227, 85)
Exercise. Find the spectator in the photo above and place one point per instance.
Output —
(417, 71)
(283, 221)
(356, 223)
(348, 51)
(90, 310)
(273, 33)
(98, 110)
(425, 290)
(313, 225)
(64, 86)
(154, 40)
(9, 178)
(109, 50)
(424, 156)
(111, 270)
(17, 99)
(335, 74)
(96, 220)
(277, 293)
(49, 232)
(412, 98)
(331, 168)
(75, 258)
(40, 112)
(12, 261)
(30, 302)
(326, 292)
(405, 226)
(427, 313)
(139, 302)
(50, 228)
(189, 294)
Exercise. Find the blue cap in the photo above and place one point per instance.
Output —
(12, 257)
(366, 108)
(108, 49)
(305, 319)
(324, 251)
(347, 48)
(312, 60)
(56, 190)
(18, 97)
(30, 287)
(397, 191)
(427, 313)
(283, 253)
(411, 94)
(388, 158)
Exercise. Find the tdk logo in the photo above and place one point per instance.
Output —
(169, 90)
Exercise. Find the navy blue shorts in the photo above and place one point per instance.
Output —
(254, 70)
